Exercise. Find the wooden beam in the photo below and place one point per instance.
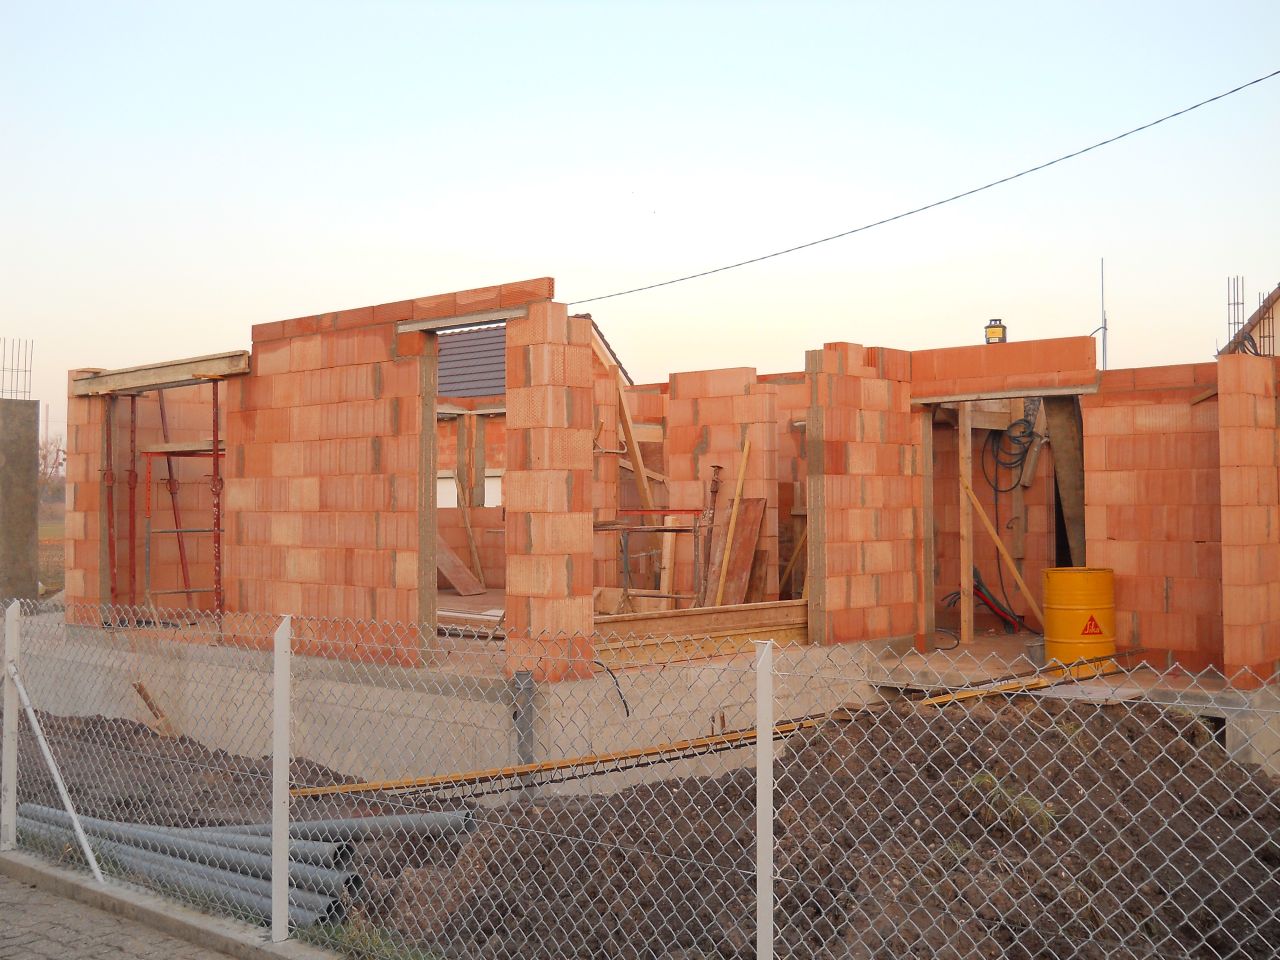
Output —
(1002, 550)
(451, 567)
(666, 578)
(159, 376)
(965, 440)
(180, 447)
(1204, 395)
(1010, 394)
(740, 550)
(648, 432)
(929, 547)
(1018, 497)
(463, 482)
(1066, 439)
(428, 463)
(633, 445)
(481, 318)
(733, 518)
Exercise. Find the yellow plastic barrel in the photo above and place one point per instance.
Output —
(1080, 617)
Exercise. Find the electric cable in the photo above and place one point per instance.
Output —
(936, 203)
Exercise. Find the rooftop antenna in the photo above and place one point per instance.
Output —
(1102, 289)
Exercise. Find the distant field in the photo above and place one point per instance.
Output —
(50, 533)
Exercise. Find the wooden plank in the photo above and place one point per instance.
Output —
(759, 579)
(181, 447)
(481, 318)
(1010, 394)
(462, 482)
(1204, 395)
(662, 649)
(965, 445)
(158, 376)
(795, 554)
(1018, 498)
(733, 518)
(633, 445)
(428, 464)
(1066, 438)
(649, 432)
(451, 567)
(744, 535)
(695, 621)
(1002, 550)
(667, 577)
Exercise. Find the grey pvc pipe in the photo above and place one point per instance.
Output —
(236, 890)
(336, 883)
(360, 828)
(317, 852)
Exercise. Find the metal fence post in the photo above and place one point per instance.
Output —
(9, 749)
(764, 800)
(280, 723)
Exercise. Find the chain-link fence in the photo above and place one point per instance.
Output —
(446, 800)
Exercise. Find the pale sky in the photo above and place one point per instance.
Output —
(176, 172)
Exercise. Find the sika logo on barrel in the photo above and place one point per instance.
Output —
(1091, 628)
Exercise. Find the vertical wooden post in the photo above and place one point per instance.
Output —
(964, 440)
(428, 384)
(929, 550)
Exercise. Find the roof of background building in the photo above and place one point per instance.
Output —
(473, 363)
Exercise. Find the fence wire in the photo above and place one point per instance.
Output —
(451, 800)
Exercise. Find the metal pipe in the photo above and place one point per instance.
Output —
(70, 816)
(109, 481)
(207, 882)
(319, 879)
(321, 853)
(216, 484)
(362, 828)
(131, 477)
(172, 484)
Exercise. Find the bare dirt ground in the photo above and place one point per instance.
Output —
(1017, 828)
(1023, 830)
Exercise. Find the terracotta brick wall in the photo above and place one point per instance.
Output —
(1152, 513)
(989, 369)
(864, 494)
(322, 454)
(710, 415)
(1250, 516)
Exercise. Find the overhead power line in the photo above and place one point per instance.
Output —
(936, 203)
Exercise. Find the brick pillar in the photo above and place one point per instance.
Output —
(1250, 517)
(547, 493)
(864, 492)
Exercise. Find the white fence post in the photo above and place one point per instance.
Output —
(280, 722)
(9, 749)
(764, 800)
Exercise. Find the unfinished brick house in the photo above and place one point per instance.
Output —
(558, 503)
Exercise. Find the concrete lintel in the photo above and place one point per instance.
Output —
(1075, 391)
(482, 318)
(212, 933)
(163, 375)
